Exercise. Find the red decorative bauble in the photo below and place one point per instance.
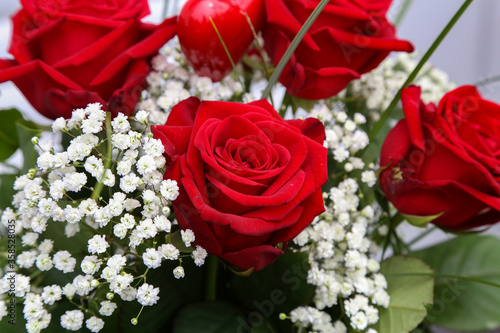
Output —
(200, 42)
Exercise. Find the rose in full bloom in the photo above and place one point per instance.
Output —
(349, 38)
(444, 161)
(250, 181)
(69, 53)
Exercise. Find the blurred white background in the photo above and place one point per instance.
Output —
(469, 54)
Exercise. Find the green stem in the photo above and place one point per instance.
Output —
(298, 38)
(402, 12)
(235, 70)
(387, 113)
(107, 163)
(211, 284)
(422, 235)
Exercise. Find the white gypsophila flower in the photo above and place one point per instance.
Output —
(59, 125)
(76, 118)
(187, 237)
(94, 166)
(134, 239)
(148, 196)
(130, 155)
(116, 262)
(147, 294)
(72, 320)
(129, 183)
(179, 272)
(169, 189)
(51, 294)
(108, 178)
(72, 215)
(82, 284)
(128, 294)
(107, 308)
(128, 221)
(94, 324)
(97, 244)
(153, 147)
(153, 178)
(90, 264)
(162, 223)
(45, 161)
(26, 259)
(71, 230)
(121, 282)
(369, 177)
(57, 189)
(91, 125)
(69, 290)
(120, 123)
(199, 255)
(29, 239)
(135, 139)
(46, 246)
(74, 181)
(151, 258)
(38, 223)
(131, 204)
(120, 230)
(46, 207)
(64, 262)
(169, 251)
(142, 117)
(94, 111)
(146, 164)
(40, 323)
(44, 262)
(21, 182)
(146, 229)
(120, 141)
(102, 216)
(108, 274)
(123, 167)
(88, 206)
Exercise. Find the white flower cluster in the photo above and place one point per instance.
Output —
(173, 80)
(339, 250)
(380, 86)
(104, 156)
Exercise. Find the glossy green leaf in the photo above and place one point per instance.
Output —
(219, 317)
(410, 285)
(462, 304)
(8, 133)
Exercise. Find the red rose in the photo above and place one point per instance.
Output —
(349, 38)
(69, 53)
(445, 160)
(250, 181)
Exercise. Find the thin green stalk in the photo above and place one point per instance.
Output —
(235, 70)
(422, 235)
(107, 163)
(402, 12)
(451, 276)
(211, 284)
(387, 113)
(298, 38)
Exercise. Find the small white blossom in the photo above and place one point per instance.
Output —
(199, 255)
(97, 244)
(51, 294)
(107, 308)
(94, 324)
(179, 272)
(147, 295)
(169, 251)
(64, 262)
(169, 189)
(151, 258)
(72, 320)
(187, 237)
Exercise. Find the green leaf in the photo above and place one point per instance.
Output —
(420, 221)
(218, 317)
(462, 304)
(25, 131)
(8, 133)
(278, 288)
(409, 291)
(7, 190)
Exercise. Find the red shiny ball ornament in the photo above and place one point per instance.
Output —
(199, 40)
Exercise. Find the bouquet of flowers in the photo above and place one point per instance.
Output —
(245, 166)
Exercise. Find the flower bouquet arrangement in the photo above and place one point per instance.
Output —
(245, 166)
